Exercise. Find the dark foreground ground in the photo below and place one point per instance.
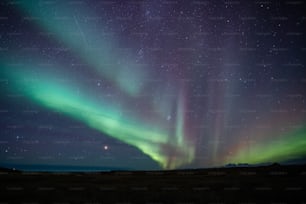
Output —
(269, 184)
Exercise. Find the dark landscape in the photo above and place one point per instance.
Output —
(266, 184)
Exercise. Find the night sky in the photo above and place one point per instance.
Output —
(151, 84)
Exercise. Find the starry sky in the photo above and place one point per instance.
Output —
(151, 84)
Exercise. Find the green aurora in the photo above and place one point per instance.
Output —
(171, 146)
(288, 147)
(48, 92)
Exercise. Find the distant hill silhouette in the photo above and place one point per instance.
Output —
(234, 185)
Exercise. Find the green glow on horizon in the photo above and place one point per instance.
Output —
(101, 115)
(289, 146)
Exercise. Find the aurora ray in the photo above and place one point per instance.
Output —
(80, 34)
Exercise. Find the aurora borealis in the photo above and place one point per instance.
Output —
(149, 85)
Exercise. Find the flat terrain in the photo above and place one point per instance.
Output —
(268, 184)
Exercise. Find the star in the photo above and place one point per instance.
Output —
(156, 78)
